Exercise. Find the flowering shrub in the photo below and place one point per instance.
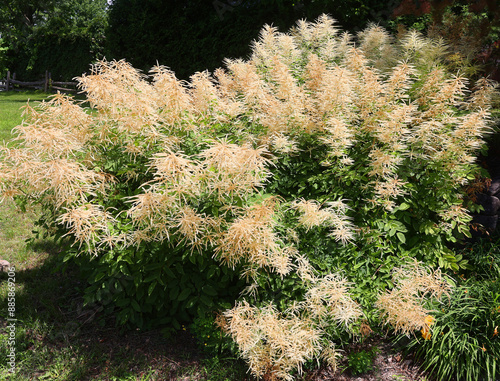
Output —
(316, 156)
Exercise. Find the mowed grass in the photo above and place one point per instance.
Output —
(57, 336)
(10, 109)
(15, 227)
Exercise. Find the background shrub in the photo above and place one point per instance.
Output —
(470, 28)
(212, 31)
(63, 37)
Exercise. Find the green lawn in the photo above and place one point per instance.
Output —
(11, 104)
(15, 228)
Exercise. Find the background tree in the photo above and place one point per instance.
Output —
(195, 35)
(62, 36)
(471, 29)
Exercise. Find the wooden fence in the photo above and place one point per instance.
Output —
(47, 85)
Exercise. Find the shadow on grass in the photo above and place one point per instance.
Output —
(57, 337)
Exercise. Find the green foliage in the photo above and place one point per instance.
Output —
(64, 37)
(157, 285)
(3, 58)
(212, 31)
(464, 342)
(470, 28)
(362, 362)
(410, 230)
(211, 338)
(138, 28)
(284, 186)
(484, 257)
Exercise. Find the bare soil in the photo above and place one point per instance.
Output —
(389, 364)
(171, 357)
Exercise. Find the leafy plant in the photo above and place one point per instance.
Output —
(463, 342)
(484, 257)
(285, 186)
(362, 362)
(470, 29)
(211, 338)
(63, 36)
(155, 287)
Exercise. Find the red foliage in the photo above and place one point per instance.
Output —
(490, 58)
(437, 7)
(412, 7)
(490, 54)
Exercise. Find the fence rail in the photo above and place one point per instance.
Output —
(10, 83)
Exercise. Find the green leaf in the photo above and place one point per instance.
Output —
(122, 302)
(99, 276)
(209, 290)
(124, 269)
(152, 267)
(151, 277)
(191, 302)
(211, 271)
(401, 237)
(192, 259)
(404, 206)
(174, 292)
(184, 294)
(140, 291)
(151, 288)
(135, 305)
(175, 323)
(137, 280)
(170, 273)
(206, 300)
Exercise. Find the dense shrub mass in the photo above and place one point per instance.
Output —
(196, 35)
(282, 190)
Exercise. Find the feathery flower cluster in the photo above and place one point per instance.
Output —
(48, 160)
(333, 215)
(328, 300)
(250, 237)
(276, 343)
(229, 169)
(273, 345)
(90, 225)
(404, 306)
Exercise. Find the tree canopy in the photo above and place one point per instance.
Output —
(195, 35)
(63, 36)
(66, 36)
